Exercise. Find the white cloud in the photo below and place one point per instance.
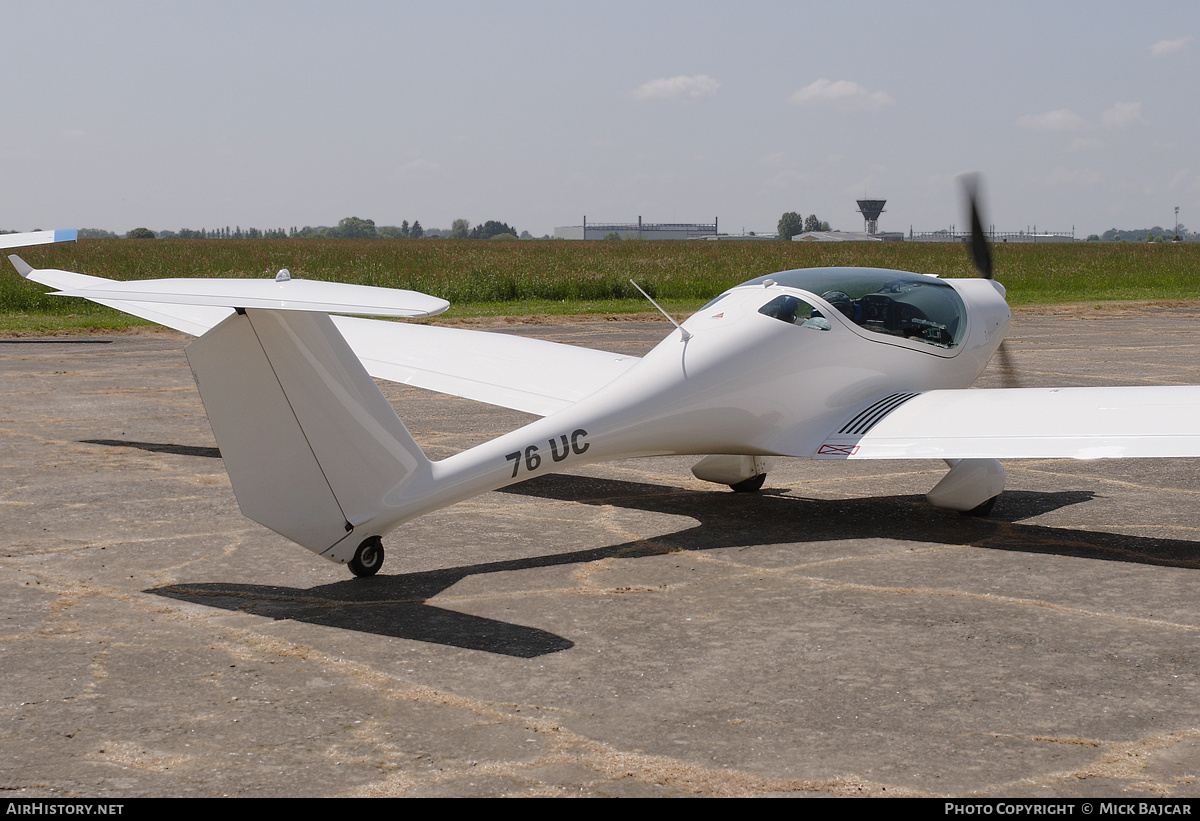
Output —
(845, 93)
(1164, 47)
(416, 168)
(1180, 179)
(1072, 176)
(786, 173)
(1064, 119)
(1122, 114)
(682, 87)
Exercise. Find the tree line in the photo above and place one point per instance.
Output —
(1156, 234)
(348, 228)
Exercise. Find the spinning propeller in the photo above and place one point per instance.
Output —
(981, 255)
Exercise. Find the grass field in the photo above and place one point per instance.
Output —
(535, 276)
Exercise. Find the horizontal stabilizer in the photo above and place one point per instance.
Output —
(288, 295)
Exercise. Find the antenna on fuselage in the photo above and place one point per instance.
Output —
(683, 331)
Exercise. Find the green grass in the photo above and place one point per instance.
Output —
(531, 277)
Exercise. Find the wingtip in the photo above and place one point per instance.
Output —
(23, 267)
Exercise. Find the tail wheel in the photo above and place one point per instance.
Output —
(368, 558)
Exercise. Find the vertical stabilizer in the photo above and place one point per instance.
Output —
(311, 445)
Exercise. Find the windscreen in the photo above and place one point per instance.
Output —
(894, 303)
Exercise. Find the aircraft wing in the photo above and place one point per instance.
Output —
(1023, 423)
(36, 238)
(514, 372)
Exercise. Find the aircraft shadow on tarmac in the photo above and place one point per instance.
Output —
(158, 447)
(397, 605)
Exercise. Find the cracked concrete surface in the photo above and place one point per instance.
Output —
(622, 630)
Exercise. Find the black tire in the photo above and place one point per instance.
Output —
(368, 558)
(984, 509)
(750, 485)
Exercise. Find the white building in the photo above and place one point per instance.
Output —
(637, 230)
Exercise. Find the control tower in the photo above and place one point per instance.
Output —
(871, 209)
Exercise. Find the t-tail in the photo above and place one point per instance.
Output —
(312, 447)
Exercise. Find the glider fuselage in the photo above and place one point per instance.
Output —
(752, 377)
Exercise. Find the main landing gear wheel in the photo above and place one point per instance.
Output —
(984, 509)
(368, 558)
(750, 485)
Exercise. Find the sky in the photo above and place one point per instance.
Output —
(1079, 115)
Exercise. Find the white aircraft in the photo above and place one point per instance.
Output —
(828, 363)
(36, 238)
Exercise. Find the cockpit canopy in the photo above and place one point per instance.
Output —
(894, 303)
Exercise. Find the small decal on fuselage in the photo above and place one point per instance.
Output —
(838, 450)
(561, 447)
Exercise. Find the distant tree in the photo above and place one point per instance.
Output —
(354, 228)
(460, 229)
(812, 223)
(95, 233)
(526, 235)
(310, 232)
(790, 224)
(612, 235)
(490, 229)
(140, 233)
(404, 230)
(416, 232)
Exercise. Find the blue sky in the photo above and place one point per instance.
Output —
(271, 114)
